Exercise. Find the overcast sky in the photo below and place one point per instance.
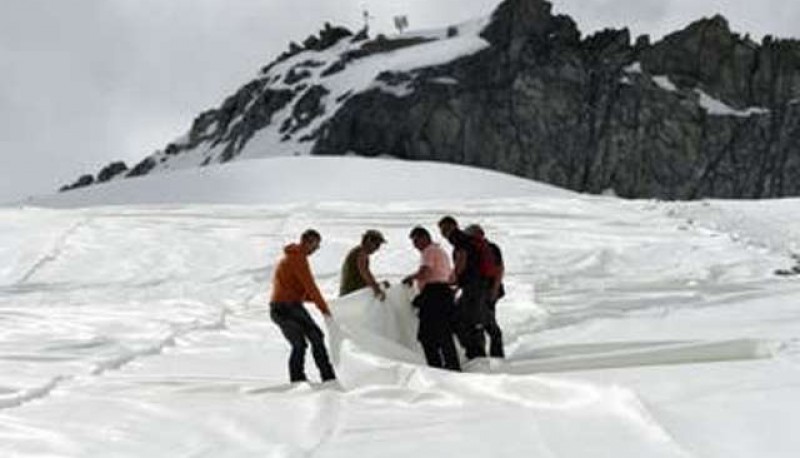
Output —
(85, 82)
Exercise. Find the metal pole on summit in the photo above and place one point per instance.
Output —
(365, 14)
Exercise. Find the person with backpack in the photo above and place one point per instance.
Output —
(474, 287)
(292, 284)
(356, 273)
(496, 288)
(434, 301)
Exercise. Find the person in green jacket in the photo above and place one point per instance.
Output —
(355, 269)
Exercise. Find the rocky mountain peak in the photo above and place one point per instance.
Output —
(708, 55)
(515, 22)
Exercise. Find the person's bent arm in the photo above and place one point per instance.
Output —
(363, 269)
(460, 264)
(311, 289)
(496, 282)
(416, 276)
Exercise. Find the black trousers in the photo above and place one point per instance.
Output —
(298, 327)
(435, 333)
(471, 317)
(493, 330)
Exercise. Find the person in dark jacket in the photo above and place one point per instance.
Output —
(471, 303)
(495, 293)
(434, 301)
(356, 273)
(293, 284)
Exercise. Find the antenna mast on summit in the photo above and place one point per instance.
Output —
(365, 14)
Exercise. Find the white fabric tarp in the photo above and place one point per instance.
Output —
(373, 344)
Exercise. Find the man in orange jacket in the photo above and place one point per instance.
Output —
(293, 284)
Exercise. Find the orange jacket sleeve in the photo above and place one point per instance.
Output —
(312, 292)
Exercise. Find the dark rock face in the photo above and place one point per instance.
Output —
(255, 115)
(111, 170)
(106, 173)
(294, 75)
(328, 37)
(308, 107)
(544, 104)
(142, 168)
(83, 181)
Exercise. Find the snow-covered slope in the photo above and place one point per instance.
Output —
(305, 179)
(633, 328)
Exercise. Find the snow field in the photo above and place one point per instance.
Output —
(633, 328)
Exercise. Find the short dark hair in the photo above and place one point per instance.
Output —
(309, 235)
(419, 232)
(447, 220)
(474, 230)
(373, 236)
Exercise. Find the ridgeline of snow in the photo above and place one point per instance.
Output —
(305, 179)
(633, 328)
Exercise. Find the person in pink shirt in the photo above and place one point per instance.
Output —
(435, 301)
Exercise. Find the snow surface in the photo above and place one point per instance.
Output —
(711, 105)
(719, 108)
(286, 180)
(635, 67)
(665, 83)
(633, 328)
